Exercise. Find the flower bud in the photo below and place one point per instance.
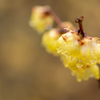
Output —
(39, 20)
(49, 40)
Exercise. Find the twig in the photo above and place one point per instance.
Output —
(48, 11)
(79, 21)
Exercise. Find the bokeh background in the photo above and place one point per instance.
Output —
(27, 71)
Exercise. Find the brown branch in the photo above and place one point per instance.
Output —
(48, 11)
(56, 19)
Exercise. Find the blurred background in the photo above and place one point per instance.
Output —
(27, 71)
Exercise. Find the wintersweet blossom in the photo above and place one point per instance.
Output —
(89, 50)
(39, 20)
(81, 73)
(80, 55)
(49, 40)
(68, 44)
(84, 73)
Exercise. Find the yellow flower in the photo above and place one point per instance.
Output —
(68, 44)
(69, 61)
(49, 40)
(87, 72)
(80, 55)
(81, 73)
(89, 50)
(86, 50)
(39, 20)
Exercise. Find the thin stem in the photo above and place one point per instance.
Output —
(56, 19)
(79, 21)
(48, 11)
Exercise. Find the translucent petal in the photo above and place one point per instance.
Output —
(49, 41)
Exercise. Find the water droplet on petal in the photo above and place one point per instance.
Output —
(59, 50)
(93, 62)
(79, 64)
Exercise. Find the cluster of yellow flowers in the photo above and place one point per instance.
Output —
(80, 54)
(50, 38)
